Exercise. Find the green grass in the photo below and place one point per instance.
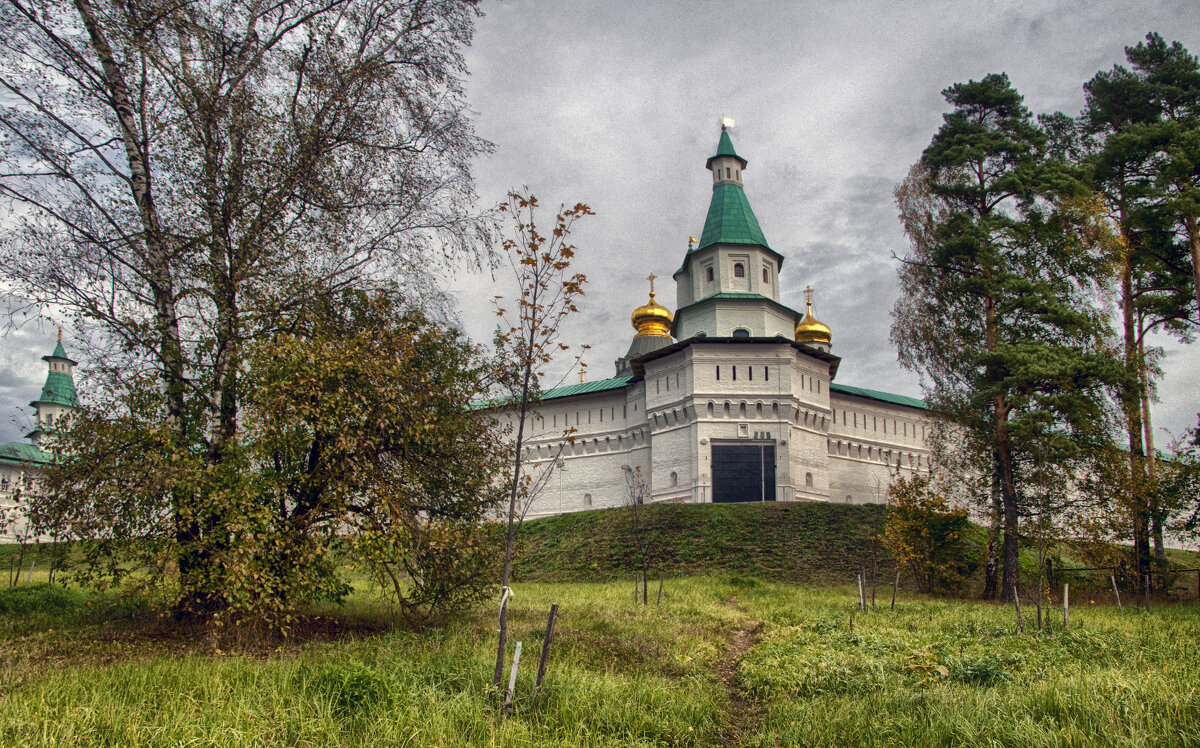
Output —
(931, 672)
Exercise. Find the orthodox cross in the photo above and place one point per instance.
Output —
(808, 292)
(651, 278)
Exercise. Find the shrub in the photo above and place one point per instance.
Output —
(925, 534)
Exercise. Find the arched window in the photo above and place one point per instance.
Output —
(708, 274)
(766, 276)
(741, 332)
(848, 499)
(739, 270)
(674, 479)
(587, 499)
(808, 480)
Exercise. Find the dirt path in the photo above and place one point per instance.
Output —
(745, 713)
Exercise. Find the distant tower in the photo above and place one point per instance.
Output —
(811, 332)
(58, 399)
(653, 324)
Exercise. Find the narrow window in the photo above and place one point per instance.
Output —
(708, 274)
(676, 379)
(750, 373)
(808, 481)
(766, 374)
(765, 278)
(727, 172)
(587, 499)
(735, 373)
(718, 372)
(739, 270)
(674, 479)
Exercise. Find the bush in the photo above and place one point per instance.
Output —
(925, 534)
(32, 599)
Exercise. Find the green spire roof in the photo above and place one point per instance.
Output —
(730, 219)
(59, 351)
(725, 146)
(60, 389)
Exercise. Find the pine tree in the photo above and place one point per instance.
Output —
(995, 309)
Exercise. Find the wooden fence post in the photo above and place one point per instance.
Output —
(1117, 592)
(546, 646)
(895, 587)
(1146, 586)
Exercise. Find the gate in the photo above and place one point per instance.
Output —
(743, 472)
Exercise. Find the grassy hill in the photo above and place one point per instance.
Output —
(795, 542)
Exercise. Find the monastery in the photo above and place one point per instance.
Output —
(732, 397)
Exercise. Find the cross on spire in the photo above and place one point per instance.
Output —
(651, 278)
(808, 292)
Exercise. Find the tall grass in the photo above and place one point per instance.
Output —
(929, 673)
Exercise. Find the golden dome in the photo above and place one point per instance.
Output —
(652, 318)
(810, 330)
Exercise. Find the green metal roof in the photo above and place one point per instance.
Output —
(59, 352)
(23, 452)
(730, 219)
(59, 389)
(886, 397)
(600, 385)
(725, 148)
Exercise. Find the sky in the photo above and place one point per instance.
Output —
(618, 105)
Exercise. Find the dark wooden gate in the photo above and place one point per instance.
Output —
(743, 472)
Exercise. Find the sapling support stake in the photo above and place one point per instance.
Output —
(1146, 587)
(1020, 620)
(1066, 603)
(1117, 593)
(546, 647)
(660, 586)
(895, 587)
(29, 576)
(512, 679)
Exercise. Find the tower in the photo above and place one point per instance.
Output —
(58, 399)
(728, 285)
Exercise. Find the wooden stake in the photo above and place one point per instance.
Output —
(1117, 592)
(862, 594)
(546, 646)
(1066, 603)
(851, 623)
(895, 587)
(29, 576)
(1020, 620)
(512, 679)
(1146, 586)
(660, 584)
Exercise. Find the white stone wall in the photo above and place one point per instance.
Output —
(828, 445)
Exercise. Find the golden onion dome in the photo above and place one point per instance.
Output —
(810, 330)
(652, 318)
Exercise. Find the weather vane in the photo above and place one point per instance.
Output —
(726, 122)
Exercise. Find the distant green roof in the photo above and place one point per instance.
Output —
(23, 452)
(886, 397)
(59, 389)
(59, 352)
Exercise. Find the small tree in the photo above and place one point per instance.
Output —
(925, 534)
(643, 537)
(525, 345)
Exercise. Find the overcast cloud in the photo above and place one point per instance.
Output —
(618, 105)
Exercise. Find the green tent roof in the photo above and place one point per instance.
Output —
(725, 148)
(730, 219)
(58, 389)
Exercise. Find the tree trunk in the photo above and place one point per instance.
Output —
(1131, 403)
(1193, 234)
(992, 566)
(1156, 518)
(1008, 493)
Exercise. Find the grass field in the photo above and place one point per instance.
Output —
(725, 660)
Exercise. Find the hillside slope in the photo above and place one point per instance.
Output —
(802, 542)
